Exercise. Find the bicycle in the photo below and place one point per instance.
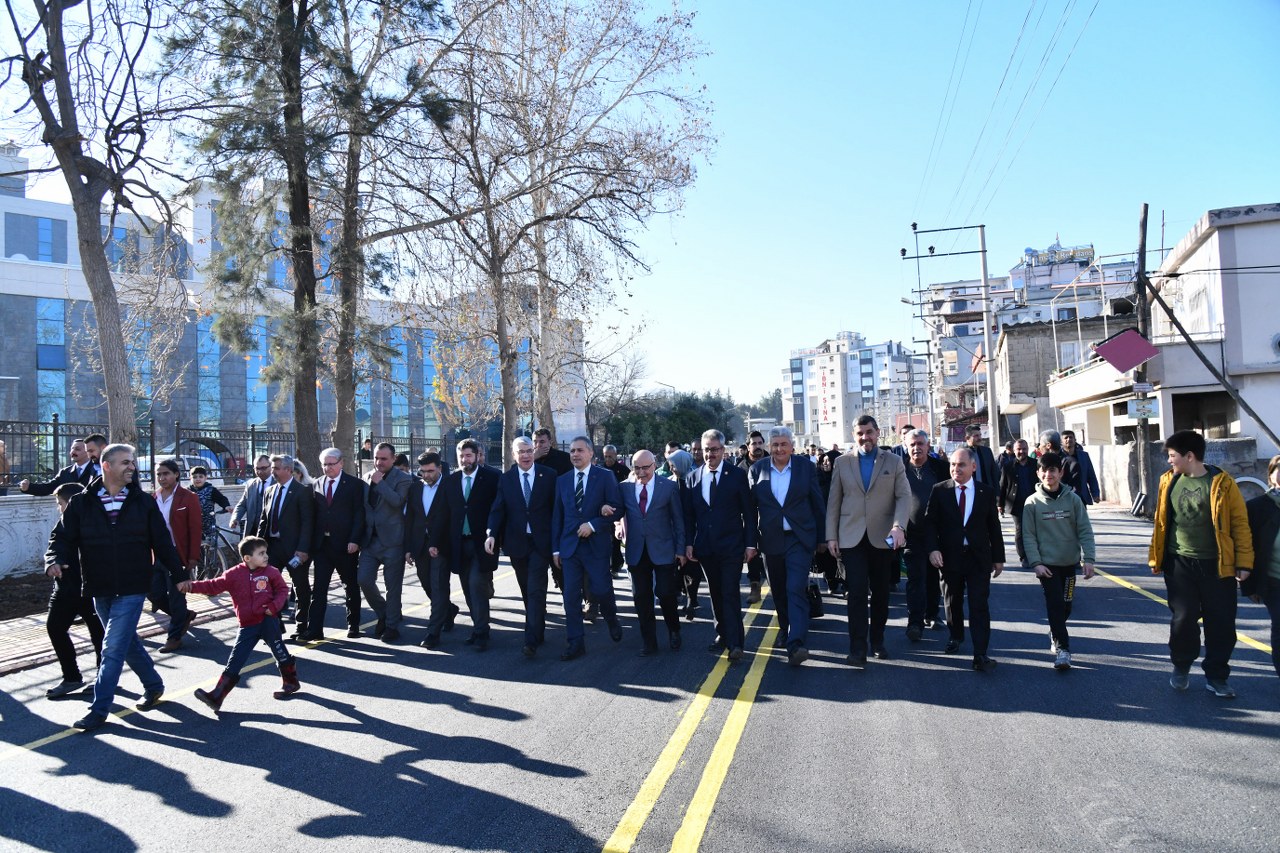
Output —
(218, 553)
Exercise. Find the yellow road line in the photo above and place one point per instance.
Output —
(175, 694)
(704, 799)
(646, 798)
(1119, 581)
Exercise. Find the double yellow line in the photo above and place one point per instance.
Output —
(704, 799)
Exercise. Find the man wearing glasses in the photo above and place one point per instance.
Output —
(249, 507)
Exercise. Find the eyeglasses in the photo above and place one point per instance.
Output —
(644, 467)
(331, 463)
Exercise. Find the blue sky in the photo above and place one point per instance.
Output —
(826, 114)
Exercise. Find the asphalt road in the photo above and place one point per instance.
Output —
(404, 749)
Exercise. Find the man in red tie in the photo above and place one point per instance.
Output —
(962, 530)
(652, 530)
(339, 529)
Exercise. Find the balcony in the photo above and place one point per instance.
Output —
(1092, 380)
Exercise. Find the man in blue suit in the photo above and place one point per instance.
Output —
(520, 524)
(717, 506)
(653, 533)
(581, 526)
(791, 515)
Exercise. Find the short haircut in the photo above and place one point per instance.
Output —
(519, 441)
(111, 451)
(431, 459)
(967, 451)
(283, 459)
(673, 443)
(543, 432)
(578, 438)
(249, 544)
(1186, 441)
(917, 433)
(385, 445)
(170, 465)
(1067, 432)
(402, 459)
(972, 428)
(755, 433)
(95, 438)
(469, 444)
(1052, 436)
(781, 432)
(1051, 460)
(1008, 445)
(907, 427)
(713, 435)
(1272, 466)
(608, 447)
(865, 420)
(67, 491)
(262, 456)
(330, 451)
(200, 469)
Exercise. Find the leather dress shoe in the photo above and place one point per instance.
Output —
(953, 646)
(353, 632)
(528, 650)
(482, 642)
(380, 628)
(676, 641)
(735, 653)
(574, 652)
(798, 655)
(430, 641)
(915, 633)
(615, 630)
(172, 644)
(880, 651)
(648, 650)
(391, 635)
(454, 610)
(717, 647)
(982, 663)
(857, 661)
(780, 641)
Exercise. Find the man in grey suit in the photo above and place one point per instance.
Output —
(384, 540)
(791, 515)
(653, 532)
(249, 508)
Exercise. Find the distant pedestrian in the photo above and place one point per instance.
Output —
(258, 592)
(1203, 546)
(66, 604)
(1262, 585)
(1057, 536)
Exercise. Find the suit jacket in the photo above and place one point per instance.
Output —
(944, 532)
(475, 510)
(725, 528)
(803, 506)
(384, 512)
(66, 475)
(854, 512)
(601, 488)
(297, 519)
(249, 508)
(426, 530)
(1085, 479)
(660, 529)
(509, 517)
(988, 470)
(185, 525)
(341, 523)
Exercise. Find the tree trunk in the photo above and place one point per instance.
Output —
(507, 363)
(349, 269)
(548, 345)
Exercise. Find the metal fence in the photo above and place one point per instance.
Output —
(228, 453)
(36, 450)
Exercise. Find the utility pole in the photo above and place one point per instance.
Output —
(1140, 372)
(993, 423)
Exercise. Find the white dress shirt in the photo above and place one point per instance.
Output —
(706, 481)
(779, 483)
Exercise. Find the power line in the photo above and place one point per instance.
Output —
(942, 108)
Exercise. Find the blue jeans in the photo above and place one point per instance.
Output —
(269, 631)
(121, 645)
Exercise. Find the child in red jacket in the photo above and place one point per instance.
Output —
(257, 594)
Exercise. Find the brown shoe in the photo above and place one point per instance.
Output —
(172, 644)
(754, 596)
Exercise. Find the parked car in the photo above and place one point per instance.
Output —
(185, 463)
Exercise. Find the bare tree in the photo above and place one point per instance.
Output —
(613, 387)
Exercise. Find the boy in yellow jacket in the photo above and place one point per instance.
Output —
(1203, 547)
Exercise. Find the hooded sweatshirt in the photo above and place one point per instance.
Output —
(1056, 528)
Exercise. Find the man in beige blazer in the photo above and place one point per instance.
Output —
(867, 512)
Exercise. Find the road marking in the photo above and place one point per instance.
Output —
(1119, 581)
(646, 798)
(704, 799)
(125, 712)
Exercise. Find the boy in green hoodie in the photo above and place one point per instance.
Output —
(1057, 534)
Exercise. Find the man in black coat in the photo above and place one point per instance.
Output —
(924, 582)
(545, 454)
(520, 524)
(426, 544)
(287, 523)
(339, 530)
(987, 472)
(116, 528)
(81, 471)
(967, 545)
(1018, 481)
(469, 493)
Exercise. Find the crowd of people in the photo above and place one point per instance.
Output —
(862, 517)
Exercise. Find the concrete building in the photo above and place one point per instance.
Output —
(1220, 280)
(826, 388)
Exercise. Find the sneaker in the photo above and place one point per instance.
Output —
(1178, 680)
(66, 688)
(1063, 660)
(89, 722)
(151, 699)
(1220, 688)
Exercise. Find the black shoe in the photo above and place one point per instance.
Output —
(915, 633)
(857, 661)
(380, 628)
(880, 651)
(648, 650)
(391, 635)
(353, 632)
(953, 646)
(528, 650)
(676, 641)
(780, 641)
(430, 641)
(150, 699)
(615, 630)
(574, 652)
(591, 613)
(717, 647)
(797, 655)
(89, 722)
(482, 642)
(982, 663)
(454, 610)
(735, 654)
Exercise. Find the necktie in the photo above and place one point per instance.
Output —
(328, 493)
(577, 493)
(528, 490)
(466, 496)
(711, 493)
(275, 511)
(962, 491)
(644, 499)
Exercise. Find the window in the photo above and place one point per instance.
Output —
(51, 322)
(35, 238)
(122, 249)
(398, 378)
(51, 357)
(51, 394)
(208, 376)
(278, 265)
(255, 389)
(430, 422)
(1066, 314)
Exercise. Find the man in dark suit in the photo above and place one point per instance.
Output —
(791, 514)
(79, 471)
(288, 524)
(520, 524)
(987, 472)
(383, 546)
(757, 449)
(339, 529)
(653, 531)
(470, 492)
(249, 508)
(426, 544)
(620, 472)
(966, 544)
(719, 535)
(544, 453)
(581, 529)
(924, 583)
(1018, 481)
